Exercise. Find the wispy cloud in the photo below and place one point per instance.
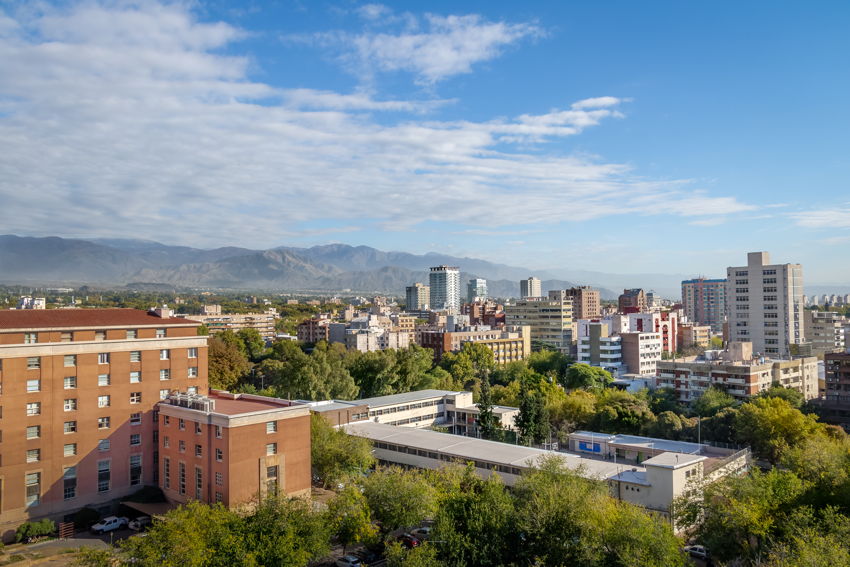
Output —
(835, 217)
(128, 119)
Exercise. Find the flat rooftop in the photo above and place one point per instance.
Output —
(231, 405)
(407, 397)
(468, 448)
(639, 442)
(82, 317)
(673, 460)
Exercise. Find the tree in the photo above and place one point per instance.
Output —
(227, 364)
(255, 346)
(772, 426)
(488, 422)
(399, 498)
(712, 401)
(532, 422)
(422, 556)
(549, 362)
(794, 397)
(574, 411)
(618, 411)
(352, 520)
(286, 531)
(335, 455)
(587, 377)
(469, 364)
(663, 399)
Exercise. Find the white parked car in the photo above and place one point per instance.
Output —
(140, 523)
(109, 524)
(697, 551)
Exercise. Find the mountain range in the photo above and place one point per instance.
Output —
(333, 267)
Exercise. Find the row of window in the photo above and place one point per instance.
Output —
(396, 409)
(32, 481)
(271, 426)
(68, 336)
(199, 478)
(70, 360)
(449, 458)
(70, 382)
(70, 404)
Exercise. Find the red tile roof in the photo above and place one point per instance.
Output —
(67, 318)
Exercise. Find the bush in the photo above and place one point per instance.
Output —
(86, 518)
(30, 530)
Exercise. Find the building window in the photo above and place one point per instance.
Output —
(181, 446)
(103, 476)
(219, 479)
(199, 483)
(103, 358)
(193, 372)
(135, 377)
(70, 360)
(30, 338)
(181, 424)
(70, 427)
(219, 497)
(33, 455)
(197, 428)
(66, 337)
(103, 380)
(218, 432)
(166, 442)
(166, 472)
(136, 418)
(271, 448)
(103, 401)
(164, 374)
(163, 394)
(135, 470)
(192, 390)
(69, 382)
(135, 397)
(100, 335)
(34, 408)
(33, 487)
(160, 333)
(33, 385)
(193, 353)
(166, 420)
(33, 431)
(33, 363)
(199, 451)
(103, 423)
(271, 427)
(103, 445)
(132, 333)
(135, 439)
(164, 354)
(181, 472)
(69, 449)
(70, 404)
(135, 356)
(219, 455)
(69, 483)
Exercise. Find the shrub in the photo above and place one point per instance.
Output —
(29, 530)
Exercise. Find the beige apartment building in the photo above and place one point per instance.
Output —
(586, 301)
(764, 305)
(417, 297)
(825, 331)
(550, 320)
(530, 287)
(79, 394)
(216, 321)
(739, 374)
(691, 335)
(508, 345)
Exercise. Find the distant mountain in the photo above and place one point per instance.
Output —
(335, 267)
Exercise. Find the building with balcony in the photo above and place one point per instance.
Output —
(692, 335)
(445, 288)
(216, 321)
(550, 320)
(417, 297)
(599, 347)
(586, 301)
(704, 302)
(530, 287)
(825, 331)
(508, 345)
(314, 329)
(476, 290)
(79, 394)
(835, 403)
(632, 301)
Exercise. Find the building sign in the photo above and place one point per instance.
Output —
(589, 447)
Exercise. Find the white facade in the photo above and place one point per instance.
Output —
(530, 287)
(445, 288)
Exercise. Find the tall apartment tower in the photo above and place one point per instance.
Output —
(550, 320)
(445, 288)
(79, 392)
(476, 290)
(704, 302)
(417, 297)
(530, 288)
(586, 301)
(764, 304)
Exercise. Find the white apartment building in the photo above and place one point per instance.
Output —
(641, 352)
(476, 290)
(445, 288)
(764, 304)
(530, 287)
(601, 348)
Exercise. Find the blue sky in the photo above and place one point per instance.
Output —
(667, 137)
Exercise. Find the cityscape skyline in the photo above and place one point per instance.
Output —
(359, 123)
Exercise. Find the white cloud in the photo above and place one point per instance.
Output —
(836, 217)
(373, 11)
(432, 48)
(165, 137)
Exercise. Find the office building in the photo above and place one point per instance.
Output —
(739, 373)
(764, 305)
(232, 448)
(704, 302)
(599, 346)
(825, 331)
(665, 323)
(476, 290)
(641, 352)
(445, 288)
(632, 301)
(586, 301)
(550, 320)
(417, 297)
(508, 345)
(79, 390)
(530, 287)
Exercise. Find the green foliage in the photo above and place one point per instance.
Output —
(351, 517)
(532, 422)
(381, 373)
(587, 377)
(95, 557)
(664, 399)
(399, 498)
(790, 395)
(422, 556)
(488, 422)
(618, 411)
(711, 402)
(335, 455)
(227, 362)
(255, 345)
(286, 532)
(34, 529)
(771, 426)
(549, 362)
(469, 365)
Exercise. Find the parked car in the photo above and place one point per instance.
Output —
(368, 556)
(422, 533)
(109, 524)
(349, 561)
(408, 541)
(140, 523)
(698, 551)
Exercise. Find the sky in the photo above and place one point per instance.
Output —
(618, 136)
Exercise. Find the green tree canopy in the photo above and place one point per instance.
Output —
(587, 377)
(227, 363)
(335, 455)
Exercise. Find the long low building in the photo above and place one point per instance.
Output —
(653, 484)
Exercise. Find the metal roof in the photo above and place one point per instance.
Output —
(673, 460)
(406, 397)
(639, 442)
